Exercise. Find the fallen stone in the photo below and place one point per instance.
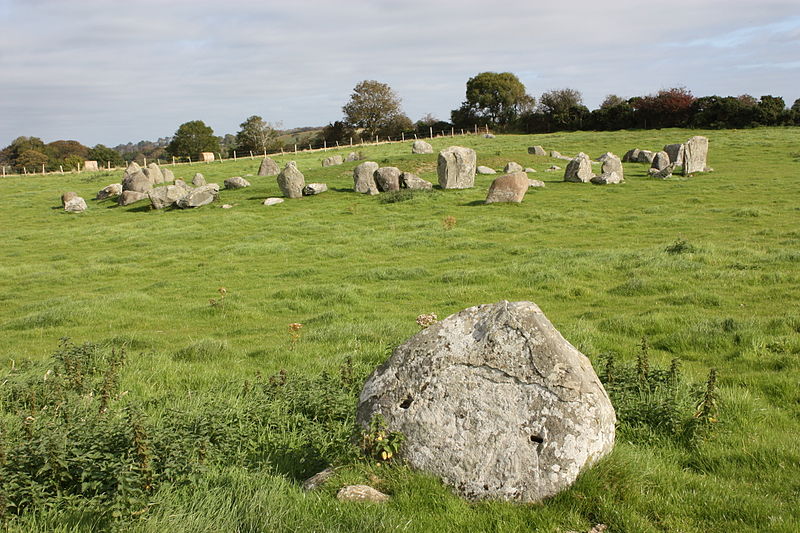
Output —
(607, 178)
(199, 196)
(361, 493)
(579, 169)
(236, 182)
(485, 170)
(364, 178)
(508, 188)
(421, 147)
(488, 136)
(529, 170)
(76, 204)
(387, 179)
(198, 180)
(109, 191)
(511, 166)
(664, 173)
(268, 167)
(273, 201)
(67, 196)
(352, 156)
(314, 188)
(553, 168)
(537, 150)
(131, 197)
(332, 161)
(161, 197)
(456, 168)
(495, 402)
(291, 181)
(535, 183)
(414, 182)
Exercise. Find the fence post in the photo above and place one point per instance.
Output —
(376, 139)
(61, 169)
(309, 146)
(431, 128)
(251, 154)
(415, 136)
(403, 135)
(295, 148)
(220, 157)
(145, 160)
(108, 165)
(42, 169)
(190, 160)
(265, 151)
(173, 160)
(325, 144)
(25, 170)
(452, 132)
(4, 171)
(487, 128)
(476, 129)
(462, 131)
(234, 155)
(351, 141)
(337, 144)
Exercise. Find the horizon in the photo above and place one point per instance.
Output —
(105, 74)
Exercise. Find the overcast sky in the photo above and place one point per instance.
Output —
(112, 71)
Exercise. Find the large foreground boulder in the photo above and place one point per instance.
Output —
(495, 402)
(364, 178)
(508, 188)
(456, 168)
(291, 181)
(268, 167)
(695, 153)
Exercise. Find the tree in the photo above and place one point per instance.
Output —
(103, 154)
(336, 131)
(669, 108)
(563, 109)
(373, 106)
(191, 138)
(256, 136)
(32, 160)
(493, 99)
(771, 110)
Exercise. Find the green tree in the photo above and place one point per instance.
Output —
(103, 154)
(256, 136)
(494, 99)
(771, 110)
(373, 106)
(191, 138)
(563, 109)
(32, 160)
(10, 154)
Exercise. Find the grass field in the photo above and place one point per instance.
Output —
(706, 268)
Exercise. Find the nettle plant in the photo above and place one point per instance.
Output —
(378, 442)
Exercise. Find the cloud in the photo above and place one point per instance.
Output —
(110, 72)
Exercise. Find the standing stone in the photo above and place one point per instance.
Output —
(291, 181)
(645, 156)
(200, 196)
(131, 197)
(660, 160)
(137, 182)
(169, 177)
(132, 168)
(579, 169)
(198, 180)
(155, 174)
(495, 402)
(387, 179)
(313, 189)
(412, 181)
(508, 188)
(421, 147)
(352, 156)
(456, 168)
(364, 178)
(115, 189)
(332, 161)
(161, 197)
(536, 150)
(675, 152)
(76, 204)
(67, 196)
(607, 178)
(485, 170)
(511, 166)
(611, 163)
(236, 182)
(631, 156)
(268, 167)
(695, 153)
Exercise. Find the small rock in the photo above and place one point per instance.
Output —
(76, 204)
(273, 201)
(131, 197)
(198, 180)
(486, 170)
(536, 150)
(237, 182)
(332, 161)
(511, 166)
(226, 206)
(529, 170)
(607, 178)
(361, 493)
(109, 191)
(553, 167)
(268, 167)
(421, 147)
(535, 183)
(352, 156)
(318, 479)
(488, 136)
(412, 181)
(314, 188)
(664, 173)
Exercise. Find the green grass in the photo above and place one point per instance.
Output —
(707, 268)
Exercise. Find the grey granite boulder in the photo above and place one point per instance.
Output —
(75, 204)
(631, 156)
(352, 156)
(508, 188)
(332, 161)
(495, 402)
(662, 174)
(198, 180)
(512, 166)
(537, 150)
(645, 156)
(109, 191)
(660, 160)
(161, 197)
(131, 197)
(273, 201)
(611, 163)
(313, 189)
(387, 179)
(535, 183)
(199, 196)
(412, 181)
(153, 171)
(268, 167)
(236, 182)
(421, 147)
(364, 178)
(695, 154)
(607, 178)
(136, 181)
(169, 177)
(579, 169)
(485, 170)
(456, 167)
(67, 196)
(675, 153)
(291, 181)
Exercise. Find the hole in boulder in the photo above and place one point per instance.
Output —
(537, 439)
(406, 403)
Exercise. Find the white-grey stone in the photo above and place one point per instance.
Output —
(131, 197)
(387, 179)
(645, 156)
(109, 191)
(579, 169)
(488, 136)
(695, 153)
(529, 170)
(660, 160)
(332, 161)
(364, 178)
(154, 173)
(535, 183)
(361, 493)
(412, 181)
(664, 173)
(291, 181)
(314, 188)
(168, 175)
(268, 167)
(675, 153)
(537, 150)
(352, 156)
(485, 170)
(199, 196)
(607, 178)
(236, 182)
(273, 201)
(508, 188)
(456, 168)
(75, 204)
(198, 180)
(161, 197)
(512, 166)
(495, 402)
(136, 181)
(421, 147)
(611, 163)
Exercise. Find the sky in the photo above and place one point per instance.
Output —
(113, 71)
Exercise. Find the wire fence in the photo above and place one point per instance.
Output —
(296, 148)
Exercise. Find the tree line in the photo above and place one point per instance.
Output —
(493, 100)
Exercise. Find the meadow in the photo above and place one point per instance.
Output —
(706, 269)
